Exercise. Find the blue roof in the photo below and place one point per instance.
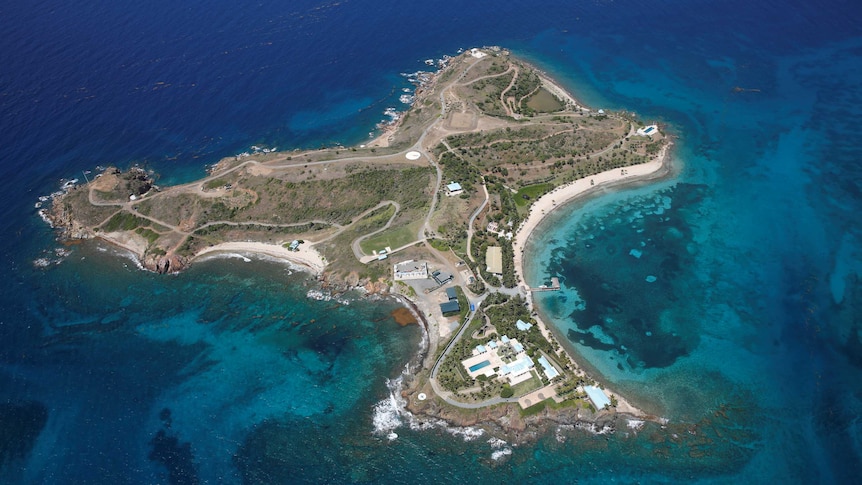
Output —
(517, 347)
(504, 339)
(481, 349)
(450, 306)
(454, 187)
(492, 344)
(523, 326)
(549, 369)
(517, 366)
(451, 293)
(597, 396)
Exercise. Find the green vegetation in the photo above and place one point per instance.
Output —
(463, 303)
(438, 244)
(526, 195)
(215, 183)
(502, 312)
(534, 409)
(544, 102)
(392, 237)
(124, 221)
(148, 234)
(520, 159)
(528, 386)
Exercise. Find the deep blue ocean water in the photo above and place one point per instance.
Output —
(749, 339)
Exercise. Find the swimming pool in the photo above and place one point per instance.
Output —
(480, 365)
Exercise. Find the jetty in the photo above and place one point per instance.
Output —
(554, 286)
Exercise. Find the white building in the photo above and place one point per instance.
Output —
(410, 270)
(505, 358)
(648, 130)
(454, 188)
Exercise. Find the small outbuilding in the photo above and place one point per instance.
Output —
(450, 307)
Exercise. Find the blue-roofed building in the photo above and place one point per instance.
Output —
(523, 326)
(504, 358)
(454, 188)
(550, 371)
(450, 307)
(517, 371)
(451, 293)
(597, 396)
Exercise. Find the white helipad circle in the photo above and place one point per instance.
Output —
(422, 396)
(413, 155)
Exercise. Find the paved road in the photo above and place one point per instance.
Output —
(473, 219)
(444, 394)
(357, 250)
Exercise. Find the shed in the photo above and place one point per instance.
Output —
(454, 188)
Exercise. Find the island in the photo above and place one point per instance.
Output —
(436, 211)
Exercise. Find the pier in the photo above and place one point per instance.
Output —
(555, 286)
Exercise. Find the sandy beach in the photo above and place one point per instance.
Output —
(306, 256)
(558, 197)
(558, 91)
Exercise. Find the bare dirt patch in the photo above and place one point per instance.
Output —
(462, 121)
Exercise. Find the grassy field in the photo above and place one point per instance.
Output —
(532, 191)
(393, 237)
(544, 102)
(527, 386)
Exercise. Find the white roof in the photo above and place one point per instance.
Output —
(517, 367)
(454, 187)
(597, 396)
(548, 368)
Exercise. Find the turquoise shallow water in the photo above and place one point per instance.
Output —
(230, 373)
(729, 283)
(203, 358)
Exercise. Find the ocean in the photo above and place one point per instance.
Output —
(726, 298)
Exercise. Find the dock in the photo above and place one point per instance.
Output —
(555, 286)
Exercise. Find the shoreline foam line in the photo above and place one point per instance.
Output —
(573, 191)
(563, 195)
(306, 256)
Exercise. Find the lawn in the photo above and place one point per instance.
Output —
(527, 386)
(392, 237)
(532, 191)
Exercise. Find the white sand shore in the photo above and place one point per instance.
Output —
(558, 197)
(306, 256)
(558, 91)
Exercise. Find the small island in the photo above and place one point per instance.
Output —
(437, 211)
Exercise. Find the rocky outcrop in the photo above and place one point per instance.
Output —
(162, 264)
(60, 218)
